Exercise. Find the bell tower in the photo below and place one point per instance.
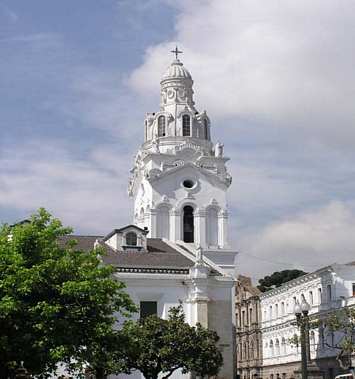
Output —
(179, 180)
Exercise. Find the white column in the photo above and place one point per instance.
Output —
(153, 223)
(175, 225)
(200, 227)
(223, 229)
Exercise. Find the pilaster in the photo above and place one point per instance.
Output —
(175, 225)
(153, 223)
(223, 229)
(200, 227)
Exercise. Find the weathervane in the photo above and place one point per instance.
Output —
(176, 51)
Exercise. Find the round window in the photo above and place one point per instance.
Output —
(188, 183)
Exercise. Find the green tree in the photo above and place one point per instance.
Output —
(156, 346)
(57, 303)
(270, 282)
(341, 322)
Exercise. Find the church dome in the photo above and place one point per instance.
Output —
(176, 71)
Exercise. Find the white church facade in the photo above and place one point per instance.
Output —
(177, 249)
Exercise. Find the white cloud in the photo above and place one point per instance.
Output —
(289, 63)
(307, 241)
(88, 193)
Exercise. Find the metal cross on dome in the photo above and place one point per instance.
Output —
(176, 51)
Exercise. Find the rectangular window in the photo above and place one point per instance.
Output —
(353, 289)
(148, 308)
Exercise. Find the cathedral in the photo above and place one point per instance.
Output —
(177, 249)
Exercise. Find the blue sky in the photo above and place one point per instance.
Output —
(76, 78)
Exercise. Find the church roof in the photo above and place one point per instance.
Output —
(159, 257)
(176, 71)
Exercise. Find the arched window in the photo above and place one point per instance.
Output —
(186, 125)
(312, 341)
(311, 301)
(212, 227)
(205, 126)
(161, 126)
(282, 309)
(319, 296)
(277, 347)
(131, 239)
(188, 224)
(271, 347)
(329, 293)
(283, 346)
(276, 310)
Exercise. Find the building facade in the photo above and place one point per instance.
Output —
(325, 290)
(248, 333)
(177, 248)
(179, 180)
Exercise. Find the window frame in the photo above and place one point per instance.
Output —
(186, 126)
(129, 235)
(148, 313)
(161, 126)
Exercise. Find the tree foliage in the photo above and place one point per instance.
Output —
(341, 322)
(275, 280)
(156, 346)
(57, 303)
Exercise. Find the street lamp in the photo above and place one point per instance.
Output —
(301, 311)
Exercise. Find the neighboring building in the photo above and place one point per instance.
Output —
(177, 249)
(248, 334)
(326, 290)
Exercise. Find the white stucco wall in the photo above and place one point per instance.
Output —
(278, 326)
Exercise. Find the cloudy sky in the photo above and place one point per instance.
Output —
(277, 79)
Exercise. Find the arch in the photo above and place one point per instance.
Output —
(311, 299)
(283, 346)
(277, 347)
(163, 221)
(212, 226)
(186, 125)
(131, 239)
(282, 308)
(329, 293)
(251, 348)
(141, 214)
(161, 126)
(271, 348)
(205, 127)
(188, 224)
(312, 340)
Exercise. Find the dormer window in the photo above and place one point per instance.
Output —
(161, 126)
(131, 239)
(186, 125)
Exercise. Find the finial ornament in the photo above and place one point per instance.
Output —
(199, 256)
(176, 51)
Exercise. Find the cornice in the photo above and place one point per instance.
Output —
(295, 282)
(152, 270)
